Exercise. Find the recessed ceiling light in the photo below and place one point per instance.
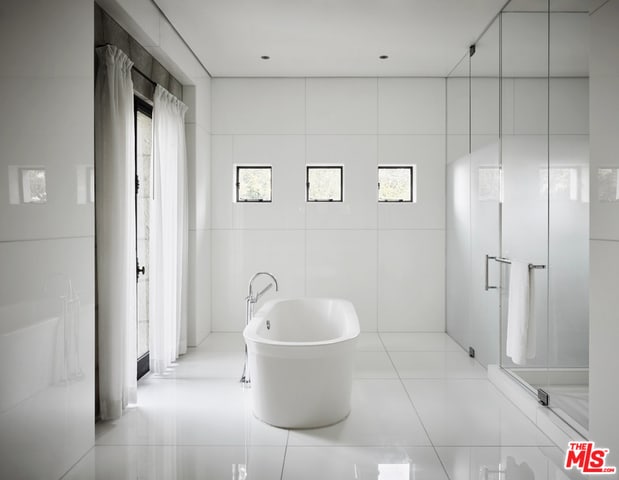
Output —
(384, 57)
(265, 57)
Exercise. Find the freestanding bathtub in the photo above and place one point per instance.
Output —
(300, 354)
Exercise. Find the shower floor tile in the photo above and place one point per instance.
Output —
(471, 412)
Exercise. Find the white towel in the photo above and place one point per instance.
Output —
(520, 319)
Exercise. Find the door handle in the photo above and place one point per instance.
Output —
(487, 285)
(139, 270)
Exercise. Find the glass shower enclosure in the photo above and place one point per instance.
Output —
(517, 183)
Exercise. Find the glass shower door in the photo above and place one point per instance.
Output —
(485, 182)
(525, 161)
(568, 227)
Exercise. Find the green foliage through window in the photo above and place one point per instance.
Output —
(253, 184)
(395, 184)
(324, 184)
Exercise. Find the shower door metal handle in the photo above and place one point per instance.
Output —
(487, 285)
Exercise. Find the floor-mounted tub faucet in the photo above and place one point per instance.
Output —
(253, 299)
(250, 302)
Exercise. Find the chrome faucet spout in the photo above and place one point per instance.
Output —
(254, 298)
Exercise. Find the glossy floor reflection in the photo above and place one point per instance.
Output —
(422, 409)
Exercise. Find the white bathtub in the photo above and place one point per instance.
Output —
(301, 354)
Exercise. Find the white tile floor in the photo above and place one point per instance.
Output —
(421, 409)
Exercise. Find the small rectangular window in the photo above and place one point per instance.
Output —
(253, 184)
(395, 183)
(34, 189)
(325, 184)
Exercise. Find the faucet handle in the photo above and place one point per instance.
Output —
(264, 290)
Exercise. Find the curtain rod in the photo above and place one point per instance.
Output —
(142, 74)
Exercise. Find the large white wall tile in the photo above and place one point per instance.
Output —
(427, 154)
(484, 106)
(507, 106)
(203, 194)
(530, 106)
(357, 154)
(411, 105)
(569, 106)
(457, 106)
(222, 180)
(199, 176)
(203, 87)
(604, 110)
(411, 280)
(199, 298)
(258, 106)
(46, 93)
(457, 147)
(285, 154)
(341, 105)
(43, 38)
(238, 254)
(192, 180)
(603, 352)
(604, 147)
(42, 124)
(37, 270)
(342, 263)
(197, 97)
(36, 276)
(604, 255)
(337, 242)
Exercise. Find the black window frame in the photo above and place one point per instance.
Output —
(411, 168)
(323, 167)
(237, 183)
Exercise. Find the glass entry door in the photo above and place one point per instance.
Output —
(143, 163)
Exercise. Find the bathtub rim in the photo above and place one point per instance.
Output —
(250, 333)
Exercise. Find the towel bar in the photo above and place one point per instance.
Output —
(507, 260)
(504, 260)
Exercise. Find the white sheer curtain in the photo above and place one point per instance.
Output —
(115, 232)
(168, 235)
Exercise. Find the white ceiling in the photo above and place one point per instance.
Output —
(330, 37)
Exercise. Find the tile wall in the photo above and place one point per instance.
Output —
(388, 259)
(46, 249)
(604, 305)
